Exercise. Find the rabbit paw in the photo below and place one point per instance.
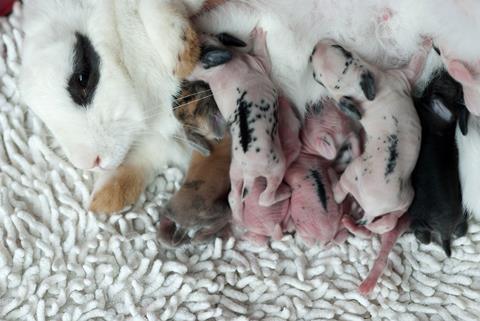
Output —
(119, 190)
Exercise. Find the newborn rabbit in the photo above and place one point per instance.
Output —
(437, 211)
(102, 76)
(199, 210)
(313, 210)
(380, 178)
(258, 223)
(468, 75)
(248, 100)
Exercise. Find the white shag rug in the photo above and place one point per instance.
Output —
(59, 262)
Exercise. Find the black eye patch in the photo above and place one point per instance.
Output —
(84, 79)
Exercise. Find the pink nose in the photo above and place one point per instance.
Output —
(97, 162)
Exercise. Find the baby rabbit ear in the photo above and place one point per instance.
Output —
(349, 108)
(214, 56)
(367, 83)
(198, 142)
(463, 116)
(443, 113)
(229, 40)
(460, 72)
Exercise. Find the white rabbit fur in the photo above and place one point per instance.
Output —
(129, 122)
(469, 154)
(294, 27)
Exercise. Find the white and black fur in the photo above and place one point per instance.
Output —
(437, 212)
(294, 28)
(469, 165)
(100, 75)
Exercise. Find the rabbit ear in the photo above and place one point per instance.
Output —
(349, 108)
(190, 54)
(460, 72)
(198, 142)
(367, 83)
(463, 117)
(229, 40)
(443, 113)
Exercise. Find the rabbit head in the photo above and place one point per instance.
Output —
(99, 86)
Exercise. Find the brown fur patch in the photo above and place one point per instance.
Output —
(188, 58)
(121, 190)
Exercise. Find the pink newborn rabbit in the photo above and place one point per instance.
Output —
(379, 179)
(248, 100)
(258, 223)
(313, 210)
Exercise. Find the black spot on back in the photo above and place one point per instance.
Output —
(86, 74)
(392, 154)
(244, 110)
(321, 193)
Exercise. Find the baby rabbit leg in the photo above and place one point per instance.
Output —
(257, 239)
(385, 223)
(259, 50)
(388, 241)
(235, 195)
(352, 226)
(275, 191)
(341, 236)
(339, 191)
(114, 191)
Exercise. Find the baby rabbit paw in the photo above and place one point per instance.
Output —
(118, 190)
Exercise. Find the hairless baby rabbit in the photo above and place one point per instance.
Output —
(248, 100)
(379, 179)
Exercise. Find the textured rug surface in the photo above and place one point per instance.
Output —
(60, 262)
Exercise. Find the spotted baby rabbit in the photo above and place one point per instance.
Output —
(313, 210)
(258, 223)
(248, 100)
(380, 178)
(199, 210)
(104, 86)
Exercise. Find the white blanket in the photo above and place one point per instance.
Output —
(59, 262)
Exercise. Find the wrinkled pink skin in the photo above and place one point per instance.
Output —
(325, 132)
(313, 210)
(289, 131)
(379, 179)
(259, 223)
(257, 151)
(387, 240)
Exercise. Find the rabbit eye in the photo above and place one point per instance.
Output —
(85, 77)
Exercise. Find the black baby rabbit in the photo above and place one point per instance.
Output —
(437, 212)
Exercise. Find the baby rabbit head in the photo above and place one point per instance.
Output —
(342, 72)
(197, 111)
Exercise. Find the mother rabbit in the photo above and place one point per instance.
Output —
(102, 76)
